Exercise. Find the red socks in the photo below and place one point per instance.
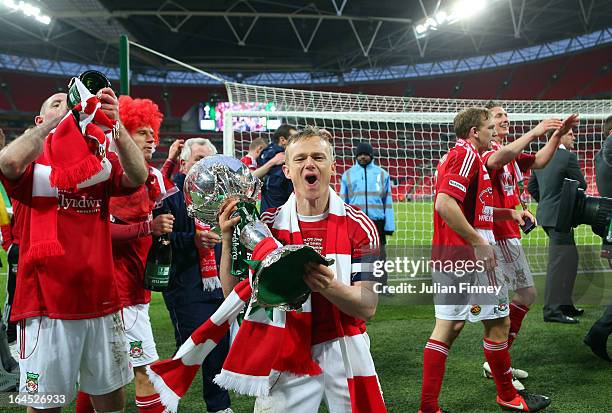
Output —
(434, 365)
(145, 404)
(149, 404)
(517, 313)
(498, 356)
(83, 403)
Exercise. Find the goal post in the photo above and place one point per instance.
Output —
(409, 136)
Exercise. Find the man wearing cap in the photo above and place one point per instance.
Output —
(368, 186)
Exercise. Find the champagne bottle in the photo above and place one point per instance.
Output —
(159, 260)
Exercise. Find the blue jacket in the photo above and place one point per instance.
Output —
(372, 195)
(185, 280)
(277, 188)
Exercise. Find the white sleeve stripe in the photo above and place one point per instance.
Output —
(352, 214)
(366, 224)
(361, 218)
(467, 163)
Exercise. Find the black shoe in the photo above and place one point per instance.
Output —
(598, 344)
(560, 318)
(571, 311)
(525, 402)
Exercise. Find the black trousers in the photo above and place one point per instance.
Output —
(561, 271)
(382, 240)
(603, 326)
(186, 318)
(11, 328)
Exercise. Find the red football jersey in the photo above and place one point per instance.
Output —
(462, 175)
(249, 161)
(362, 244)
(130, 256)
(506, 192)
(80, 284)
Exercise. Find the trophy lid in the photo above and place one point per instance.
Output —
(279, 279)
(212, 180)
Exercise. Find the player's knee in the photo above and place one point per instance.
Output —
(526, 296)
(497, 329)
(109, 403)
(447, 330)
(143, 385)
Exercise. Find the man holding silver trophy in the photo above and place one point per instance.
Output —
(307, 292)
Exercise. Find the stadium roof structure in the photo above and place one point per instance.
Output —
(322, 41)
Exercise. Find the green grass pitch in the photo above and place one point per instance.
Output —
(559, 365)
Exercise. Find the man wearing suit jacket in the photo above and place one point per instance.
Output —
(545, 186)
(597, 338)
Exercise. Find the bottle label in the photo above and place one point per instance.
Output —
(163, 271)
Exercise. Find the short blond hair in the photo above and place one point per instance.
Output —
(255, 143)
(468, 119)
(311, 132)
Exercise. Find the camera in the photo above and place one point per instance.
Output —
(92, 80)
(576, 208)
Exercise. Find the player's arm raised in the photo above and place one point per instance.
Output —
(130, 157)
(451, 213)
(544, 155)
(15, 158)
(509, 152)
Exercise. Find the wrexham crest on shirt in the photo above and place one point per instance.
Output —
(32, 382)
(135, 349)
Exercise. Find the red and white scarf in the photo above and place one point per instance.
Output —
(74, 157)
(283, 343)
(208, 264)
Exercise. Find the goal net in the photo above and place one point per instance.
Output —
(409, 136)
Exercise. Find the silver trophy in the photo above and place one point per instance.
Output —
(277, 280)
(214, 179)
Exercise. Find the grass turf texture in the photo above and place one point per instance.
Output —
(559, 365)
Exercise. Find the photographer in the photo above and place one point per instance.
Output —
(597, 337)
(545, 187)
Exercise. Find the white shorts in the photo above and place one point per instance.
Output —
(289, 393)
(469, 306)
(139, 335)
(56, 354)
(513, 262)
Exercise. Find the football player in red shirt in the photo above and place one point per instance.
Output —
(463, 235)
(505, 179)
(67, 305)
(342, 298)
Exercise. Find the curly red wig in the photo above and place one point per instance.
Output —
(136, 113)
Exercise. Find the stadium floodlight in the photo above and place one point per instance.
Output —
(462, 9)
(431, 23)
(467, 8)
(420, 29)
(441, 17)
(28, 10)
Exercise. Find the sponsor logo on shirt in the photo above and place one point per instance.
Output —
(80, 203)
(457, 185)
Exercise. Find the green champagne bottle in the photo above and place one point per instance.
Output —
(159, 260)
